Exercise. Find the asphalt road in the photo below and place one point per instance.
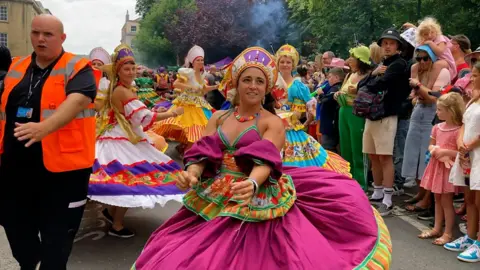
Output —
(94, 250)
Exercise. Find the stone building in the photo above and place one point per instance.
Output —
(129, 30)
(15, 24)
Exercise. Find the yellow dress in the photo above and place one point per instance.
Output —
(188, 127)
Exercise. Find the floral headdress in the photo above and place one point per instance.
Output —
(290, 51)
(251, 57)
(122, 54)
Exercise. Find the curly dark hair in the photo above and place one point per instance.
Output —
(302, 70)
(269, 104)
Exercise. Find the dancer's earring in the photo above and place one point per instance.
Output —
(263, 101)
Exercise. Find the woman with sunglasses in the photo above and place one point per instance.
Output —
(418, 137)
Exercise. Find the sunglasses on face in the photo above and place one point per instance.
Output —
(425, 59)
(473, 61)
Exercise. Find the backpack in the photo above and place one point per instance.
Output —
(162, 82)
(368, 104)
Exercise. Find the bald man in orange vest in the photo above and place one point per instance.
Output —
(47, 147)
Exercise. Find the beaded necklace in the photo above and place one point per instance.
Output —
(242, 119)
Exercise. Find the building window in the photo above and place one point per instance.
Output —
(3, 13)
(133, 28)
(3, 39)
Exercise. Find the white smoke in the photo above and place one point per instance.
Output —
(269, 20)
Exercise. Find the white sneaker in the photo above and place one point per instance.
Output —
(410, 183)
(472, 254)
(398, 191)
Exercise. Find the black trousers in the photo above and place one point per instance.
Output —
(41, 213)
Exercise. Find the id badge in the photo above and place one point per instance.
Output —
(24, 112)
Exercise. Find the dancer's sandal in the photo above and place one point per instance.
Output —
(415, 208)
(412, 200)
(429, 234)
(444, 239)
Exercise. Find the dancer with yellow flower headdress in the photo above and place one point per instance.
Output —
(191, 84)
(300, 149)
(246, 211)
(128, 171)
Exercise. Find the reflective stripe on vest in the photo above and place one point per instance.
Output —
(83, 114)
(15, 74)
(66, 72)
(71, 147)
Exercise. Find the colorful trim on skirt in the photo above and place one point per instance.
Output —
(141, 178)
(148, 96)
(185, 128)
(337, 164)
(380, 258)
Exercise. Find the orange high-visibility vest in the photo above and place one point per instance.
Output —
(71, 147)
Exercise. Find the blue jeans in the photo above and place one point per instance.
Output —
(399, 146)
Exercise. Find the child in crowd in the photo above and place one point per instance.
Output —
(310, 123)
(429, 32)
(443, 149)
(466, 172)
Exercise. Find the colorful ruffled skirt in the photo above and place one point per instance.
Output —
(158, 141)
(188, 127)
(302, 150)
(329, 226)
(148, 96)
(132, 175)
(167, 104)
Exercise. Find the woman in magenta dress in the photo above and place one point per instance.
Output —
(243, 205)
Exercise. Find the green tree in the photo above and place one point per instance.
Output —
(456, 17)
(339, 25)
(154, 47)
(142, 7)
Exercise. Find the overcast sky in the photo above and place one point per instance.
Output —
(91, 23)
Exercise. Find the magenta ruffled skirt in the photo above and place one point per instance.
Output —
(331, 226)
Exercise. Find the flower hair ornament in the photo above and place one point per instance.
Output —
(251, 57)
(290, 51)
(100, 54)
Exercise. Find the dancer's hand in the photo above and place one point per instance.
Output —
(179, 111)
(242, 191)
(161, 109)
(186, 180)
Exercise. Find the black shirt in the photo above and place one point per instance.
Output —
(395, 82)
(15, 152)
(329, 111)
